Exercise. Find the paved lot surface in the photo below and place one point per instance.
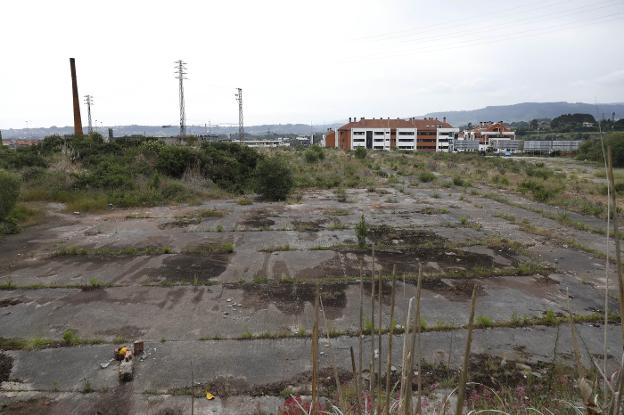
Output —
(197, 302)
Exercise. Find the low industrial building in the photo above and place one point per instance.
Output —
(279, 142)
(551, 146)
(429, 134)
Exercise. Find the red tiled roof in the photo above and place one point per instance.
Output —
(396, 123)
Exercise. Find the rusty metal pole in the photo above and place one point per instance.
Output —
(77, 120)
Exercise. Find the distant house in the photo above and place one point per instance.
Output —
(587, 124)
(429, 134)
(18, 143)
(488, 132)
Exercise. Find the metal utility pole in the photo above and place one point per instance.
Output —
(89, 102)
(180, 75)
(241, 128)
(77, 120)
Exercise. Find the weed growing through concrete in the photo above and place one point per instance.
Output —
(361, 232)
(209, 248)
(112, 251)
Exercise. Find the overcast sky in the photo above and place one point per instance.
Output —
(302, 61)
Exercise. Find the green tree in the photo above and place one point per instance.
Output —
(274, 179)
(592, 149)
(9, 190)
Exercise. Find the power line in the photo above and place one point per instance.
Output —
(241, 128)
(89, 102)
(180, 75)
(478, 41)
(583, 10)
(460, 21)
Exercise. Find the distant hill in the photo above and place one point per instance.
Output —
(527, 111)
(168, 131)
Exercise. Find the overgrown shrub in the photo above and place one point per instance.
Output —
(314, 154)
(539, 190)
(230, 165)
(538, 171)
(592, 149)
(360, 153)
(361, 231)
(274, 180)
(174, 160)
(20, 158)
(109, 173)
(9, 191)
(426, 177)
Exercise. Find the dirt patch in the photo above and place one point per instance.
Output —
(10, 302)
(462, 289)
(87, 296)
(225, 386)
(308, 226)
(170, 411)
(117, 401)
(291, 298)
(191, 268)
(387, 235)
(6, 364)
(39, 406)
(259, 218)
(433, 260)
(180, 223)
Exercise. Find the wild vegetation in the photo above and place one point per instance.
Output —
(90, 174)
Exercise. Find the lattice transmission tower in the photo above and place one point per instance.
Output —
(88, 99)
(180, 75)
(241, 128)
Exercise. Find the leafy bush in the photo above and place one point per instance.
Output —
(458, 181)
(51, 144)
(9, 191)
(314, 154)
(109, 173)
(230, 165)
(174, 160)
(592, 149)
(20, 158)
(360, 153)
(274, 180)
(538, 171)
(426, 177)
(539, 190)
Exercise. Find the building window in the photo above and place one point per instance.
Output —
(406, 133)
(379, 133)
(358, 133)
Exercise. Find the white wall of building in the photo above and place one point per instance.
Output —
(406, 139)
(381, 138)
(444, 138)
